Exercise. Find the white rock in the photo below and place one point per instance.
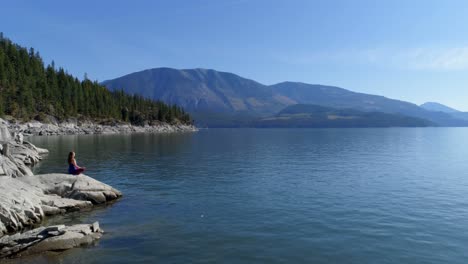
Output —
(73, 127)
(5, 135)
(19, 138)
(55, 228)
(25, 200)
(43, 239)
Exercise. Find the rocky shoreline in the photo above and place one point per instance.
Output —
(75, 127)
(27, 199)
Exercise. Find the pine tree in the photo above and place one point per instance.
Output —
(28, 87)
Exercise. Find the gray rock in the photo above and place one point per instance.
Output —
(73, 127)
(24, 201)
(19, 138)
(51, 210)
(16, 159)
(95, 227)
(55, 228)
(5, 149)
(39, 151)
(45, 239)
(5, 135)
(55, 233)
(12, 167)
(80, 187)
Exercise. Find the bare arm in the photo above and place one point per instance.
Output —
(74, 164)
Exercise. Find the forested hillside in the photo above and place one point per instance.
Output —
(314, 116)
(31, 90)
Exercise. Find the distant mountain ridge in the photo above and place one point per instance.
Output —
(437, 107)
(224, 99)
(337, 97)
(315, 116)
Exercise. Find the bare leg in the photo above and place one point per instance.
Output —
(79, 171)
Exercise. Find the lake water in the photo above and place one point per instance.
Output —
(274, 196)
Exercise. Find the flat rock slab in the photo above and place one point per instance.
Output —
(43, 239)
(25, 201)
(79, 187)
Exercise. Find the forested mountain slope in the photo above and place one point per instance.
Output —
(217, 98)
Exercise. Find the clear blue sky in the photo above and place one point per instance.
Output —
(410, 50)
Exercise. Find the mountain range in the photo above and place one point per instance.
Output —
(437, 107)
(217, 98)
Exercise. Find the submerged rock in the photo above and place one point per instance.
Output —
(52, 238)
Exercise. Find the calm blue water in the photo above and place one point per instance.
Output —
(275, 196)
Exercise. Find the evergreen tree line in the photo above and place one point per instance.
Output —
(29, 90)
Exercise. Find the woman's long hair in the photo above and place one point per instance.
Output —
(70, 157)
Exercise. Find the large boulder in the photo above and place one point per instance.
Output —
(17, 159)
(20, 205)
(24, 201)
(19, 138)
(23, 205)
(52, 238)
(80, 187)
(9, 167)
(17, 156)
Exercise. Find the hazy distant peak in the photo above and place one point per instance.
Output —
(437, 107)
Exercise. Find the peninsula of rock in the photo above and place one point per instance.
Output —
(27, 199)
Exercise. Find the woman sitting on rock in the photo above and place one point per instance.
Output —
(73, 168)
